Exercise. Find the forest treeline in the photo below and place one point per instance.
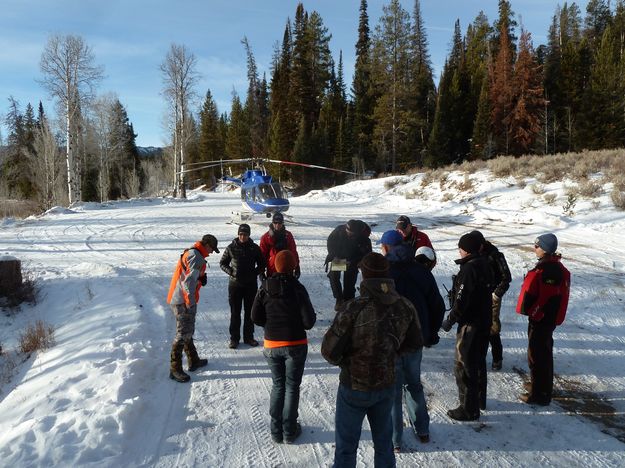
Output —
(498, 94)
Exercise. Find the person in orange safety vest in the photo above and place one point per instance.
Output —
(184, 293)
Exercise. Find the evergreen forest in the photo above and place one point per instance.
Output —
(498, 94)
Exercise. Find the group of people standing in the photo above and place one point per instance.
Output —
(377, 338)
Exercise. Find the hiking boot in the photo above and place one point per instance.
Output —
(497, 365)
(530, 400)
(424, 438)
(194, 361)
(175, 367)
(233, 344)
(277, 438)
(298, 432)
(459, 414)
(338, 305)
(251, 342)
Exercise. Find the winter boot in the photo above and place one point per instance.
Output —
(338, 305)
(175, 368)
(193, 359)
(459, 414)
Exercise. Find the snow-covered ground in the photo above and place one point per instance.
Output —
(102, 396)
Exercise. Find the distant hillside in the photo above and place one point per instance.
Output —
(150, 151)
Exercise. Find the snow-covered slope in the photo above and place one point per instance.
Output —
(101, 396)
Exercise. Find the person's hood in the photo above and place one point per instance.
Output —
(381, 289)
(400, 253)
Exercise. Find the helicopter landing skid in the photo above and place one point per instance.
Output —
(240, 217)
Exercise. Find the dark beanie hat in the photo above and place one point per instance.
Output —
(479, 236)
(356, 226)
(244, 228)
(285, 262)
(469, 243)
(277, 218)
(547, 242)
(374, 265)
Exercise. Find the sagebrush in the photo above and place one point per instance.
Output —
(37, 336)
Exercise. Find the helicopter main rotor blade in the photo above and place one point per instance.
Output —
(208, 164)
(314, 166)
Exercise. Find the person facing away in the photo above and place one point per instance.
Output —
(544, 298)
(364, 340)
(184, 293)
(471, 310)
(348, 242)
(282, 306)
(242, 261)
(412, 236)
(415, 282)
(501, 283)
(276, 239)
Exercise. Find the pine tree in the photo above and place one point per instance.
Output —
(482, 139)
(524, 120)
(501, 92)
(362, 90)
(238, 142)
(391, 77)
(211, 144)
(423, 90)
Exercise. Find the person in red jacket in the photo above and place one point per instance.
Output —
(277, 238)
(412, 235)
(184, 293)
(544, 299)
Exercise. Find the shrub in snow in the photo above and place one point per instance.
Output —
(36, 337)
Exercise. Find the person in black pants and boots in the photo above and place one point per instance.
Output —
(501, 283)
(346, 243)
(243, 262)
(471, 309)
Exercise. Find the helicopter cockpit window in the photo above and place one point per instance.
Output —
(273, 190)
(246, 193)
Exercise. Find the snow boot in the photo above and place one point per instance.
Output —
(194, 361)
(175, 367)
(459, 414)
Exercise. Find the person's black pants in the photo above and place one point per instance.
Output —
(470, 367)
(540, 360)
(348, 290)
(241, 295)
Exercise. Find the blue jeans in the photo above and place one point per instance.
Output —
(408, 383)
(287, 368)
(351, 408)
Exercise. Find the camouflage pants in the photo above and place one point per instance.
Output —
(496, 326)
(185, 322)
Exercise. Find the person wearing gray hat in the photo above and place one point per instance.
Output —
(242, 261)
(184, 293)
(544, 298)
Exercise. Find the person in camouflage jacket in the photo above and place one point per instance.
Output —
(364, 341)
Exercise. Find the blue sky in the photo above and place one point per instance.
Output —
(131, 37)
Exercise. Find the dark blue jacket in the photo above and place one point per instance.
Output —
(416, 283)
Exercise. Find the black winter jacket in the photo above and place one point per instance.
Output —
(242, 261)
(499, 267)
(282, 306)
(340, 245)
(472, 293)
(416, 283)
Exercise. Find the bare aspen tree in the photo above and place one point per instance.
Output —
(102, 126)
(179, 79)
(70, 76)
(47, 164)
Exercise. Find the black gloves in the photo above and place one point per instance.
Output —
(297, 273)
(203, 279)
(447, 324)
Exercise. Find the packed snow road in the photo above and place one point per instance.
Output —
(101, 396)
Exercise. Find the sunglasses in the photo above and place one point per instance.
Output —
(278, 222)
(536, 246)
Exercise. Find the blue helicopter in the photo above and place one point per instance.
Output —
(260, 193)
